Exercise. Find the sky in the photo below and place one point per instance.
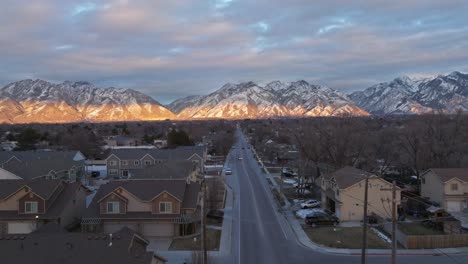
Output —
(171, 49)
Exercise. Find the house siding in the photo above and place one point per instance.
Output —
(432, 187)
(31, 197)
(165, 197)
(113, 198)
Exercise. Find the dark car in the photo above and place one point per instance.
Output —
(320, 218)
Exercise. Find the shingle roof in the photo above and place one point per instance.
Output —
(45, 189)
(38, 155)
(447, 174)
(176, 153)
(146, 190)
(42, 187)
(75, 248)
(172, 169)
(30, 169)
(347, 176)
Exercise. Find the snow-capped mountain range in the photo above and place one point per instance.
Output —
(405, 95)
(276, 99)
(30, 101)
(40, 101)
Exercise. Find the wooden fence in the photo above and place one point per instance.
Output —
(437, 241)
(429, 241)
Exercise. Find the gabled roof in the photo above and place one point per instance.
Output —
(38, 155)
(164, 154)
(43, 188)
(446, 174)
(144, 190)
(171, 169)
(147, 190)
(30, 169)
(347, 176)
(51, 247)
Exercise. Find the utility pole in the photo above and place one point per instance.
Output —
(364, 226)
(394, 216)
(394, 220)
(203, 223)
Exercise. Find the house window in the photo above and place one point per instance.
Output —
(30, 207)
(337, 192)
(423, 180)
(125, 173)
(113, 207)
(136, 162)
(113, 172)
(113, 163)
(124, 163)
(147, 162)
(165, 207)
(454, 187)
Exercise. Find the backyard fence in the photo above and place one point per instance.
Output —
(429, 241)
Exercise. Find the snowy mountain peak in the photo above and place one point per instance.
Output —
(448, 93)
(249, 100)
(42, 101)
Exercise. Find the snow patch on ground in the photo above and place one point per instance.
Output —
(381, 235)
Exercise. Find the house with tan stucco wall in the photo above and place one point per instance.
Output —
(342, 192)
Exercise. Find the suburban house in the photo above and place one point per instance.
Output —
(121, 162)
(120, 141)
(66, 165)
(27, 204)
(153, 208)
(52, 245)
(343, 193)
(447, 187)
(171, 169)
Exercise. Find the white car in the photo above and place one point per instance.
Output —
(228, 171)
(240, 158)
(310, 204)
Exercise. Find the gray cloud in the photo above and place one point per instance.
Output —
(170, 49)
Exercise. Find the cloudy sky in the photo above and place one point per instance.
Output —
(169, 49)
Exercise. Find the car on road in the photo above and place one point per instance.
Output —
(228, 171)
(321, 218)
(310, 204)
(240, 158)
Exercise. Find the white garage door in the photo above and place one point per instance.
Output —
(158, 230)
(21, 228)
(115, 227)
(453, 206)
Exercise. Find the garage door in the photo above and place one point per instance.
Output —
(158, 230)
(115, 227)
(453, 206)
(21, 228)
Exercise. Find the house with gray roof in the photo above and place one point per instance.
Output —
(66, 165)
(121, 162)
(50, 244)
(153, 208)
(171, 169)
(25, 205)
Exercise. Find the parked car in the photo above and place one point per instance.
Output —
(228, 171)
(240, 158)
(310, 204)
(306, 185)
(287, 172)
(320, 218)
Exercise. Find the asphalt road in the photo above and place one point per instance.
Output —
(260, 234)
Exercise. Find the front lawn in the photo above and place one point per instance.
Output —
(213, 237)
(344, 237)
